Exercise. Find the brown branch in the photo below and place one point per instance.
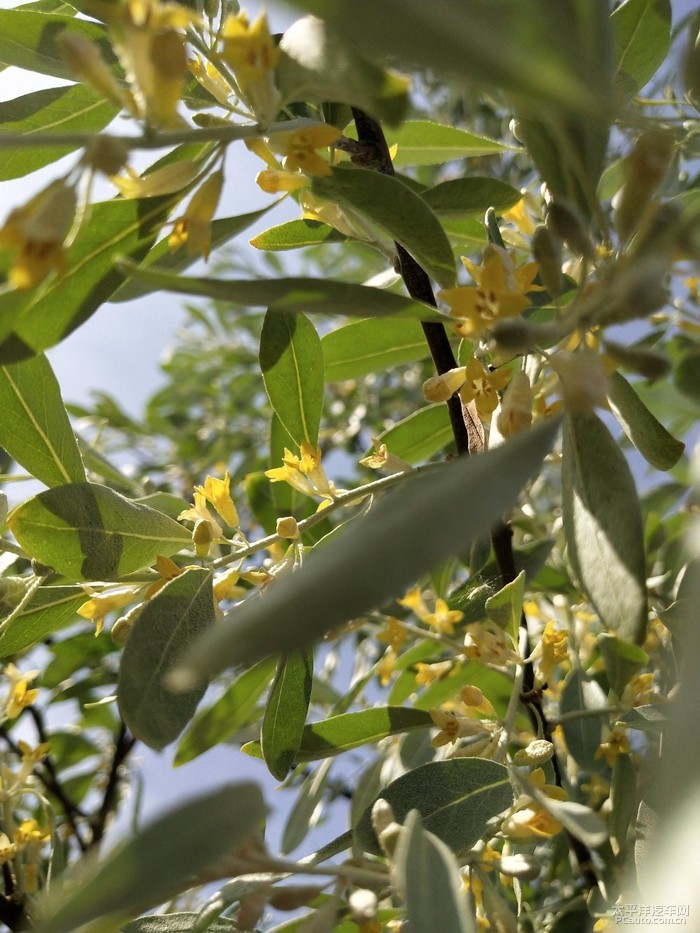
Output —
(122, 748)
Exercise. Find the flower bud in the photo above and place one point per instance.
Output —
(523, 866)
(583, 380)
(652, 364)
(287, 527)
(536, 753)
(363, 905)
(84, 59)
(202, 537)
(516, 407)
(645, 169)
(547, 252)
(121, 629)
(568, 226)
(442, 387)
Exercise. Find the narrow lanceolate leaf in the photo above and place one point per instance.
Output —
(222, 719)
(294, 295)
(297, 233)
(455, 799)
(583, 735)
(169, 622)
(603, 525)
(427, 874)
(505, 607)
(34, 425)
(89, 532)
(339, 734)
(642, 35)
(473, 195)
(421, 142)
(433, 516)
(291, 360)
(156, 864)
(400, 213)
(285, 714)
(51, 608)
(31, 322)
(71, 109)
(661, 449)
(371, 346)
(420, 435)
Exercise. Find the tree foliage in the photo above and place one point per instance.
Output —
(496, 616)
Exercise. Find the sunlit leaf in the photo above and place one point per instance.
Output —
(420, 435)
(603, 525)
(285, 713)
(291, 361)
(642, 34)
(295, 234)
(176, 923)
(51, 608)
(89, 532)
(371, 346)
(470, 195)
(156, 863)
(339, 582)
(454, 798)
(400, 213)
(583, 734)
(422, 142)
(505, 607)
(649, 436)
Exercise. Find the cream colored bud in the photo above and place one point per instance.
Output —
(584, 381)
(442, 387)
(536, 753)
(121, 629)
(382, 815)
(389, 838)
(523, 866)
(547, 252)
(202, 537)
(516, 407)
(363, 905)
(287, 527)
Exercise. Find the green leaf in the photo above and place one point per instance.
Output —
(505, 607)
(291, 360)
(297, 233)
(583, 734)
(603, 525)
(473, 195)
(400, 213)
(623, 800)
(661, 449)
(317, 65)
(642, 36)
(339, 734)
(455, 799)
(686, 375)
(169, 622)
(34, 425)
(30, 40)
(622, 660)
(371, 346)
(467, 43)
(285, 713)
(420, 435)
(651, 719)
(224, 718)
(428, 876)
(177, 923)
(466, 232)
(304, 814)
(51, 608)
(433, 516)
(421, 142)
(89, 532)
(155, 864)
(72, 109)
(222, 230)
(44, 316)
(293, 295)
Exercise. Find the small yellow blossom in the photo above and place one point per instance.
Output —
(101, 604)
(299, 147)
(166, 180)
(30, 833)
(385, 668)
(37, 233)
(206, 528)
(287, 527)
(488, 643)
(274, 181)
(304, 473)
(530, 823)
(519, 216)
(616, 744)
(8, 849)
(443, 619)
(218, 494)
(552, 650)
(168, 570)
(474, 699)
(394, 634)
(208, 75)
(251, 53)
(639, 691)
(481, 387)
(453, 727)
(382, 459)
(193, 229)
(414, 601)
(428, 673)
(443, 386)
(499, 292)
(227, 586)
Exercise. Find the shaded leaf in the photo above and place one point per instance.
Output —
(583, 734)
(652, 719)
(428, 876)
(302, 815)
(400, 213)
(505, 607)
(157, 863)
(450, 507)
(224, 718)
(603, 525)
(177, 923)
(472, 195)
(422, 142)
(71, 109)
(51, 608)
(285, 713)
(164, 628)
(371, 346)
(642, 36)
(308, 295)
(660, 448)
(455, 799)
(420, 435)
(622, 660)
(291, 360)
(297, 233)
(623, 799)
(87, 531)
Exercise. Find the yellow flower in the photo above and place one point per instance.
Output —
(304, 473)
(217, 493)
(639, 691)
(516, 407)
(382, 459)
(453, 727)
(616, 744)
(499, 292)
(273, 181)
(227, 587)
(584, 381)
(211, 79)
(552, 649)
(442, 387)
(8, 849)
(206, 528)
(488, 643)
(530, 823)
(385, 668)
(519, 217)
(30, 833)
(299, 147)
(253, 56)
(394, 634)
(287, 527)
(194, 227)
(101, 604)
(474, 699)
(84, 59)
(443, 619)
(428, 673)
(37, 232)
(166, 180)
(481, 387)
(413, 600)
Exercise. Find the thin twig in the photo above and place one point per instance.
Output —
(122, 747)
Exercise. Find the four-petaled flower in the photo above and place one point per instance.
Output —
(20, 696)
(553, 648)
(481, 387)
(616, 744)
(528, 820)
(299, 147)
(304, 473)
(250, 51)
(206, 529)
